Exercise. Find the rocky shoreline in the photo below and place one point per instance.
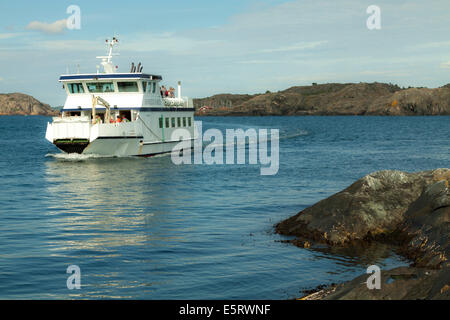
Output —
(328, 99)
(408, 211)
(331, 99)
(22, 104)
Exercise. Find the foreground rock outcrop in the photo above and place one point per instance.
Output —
(408, 210)
(332, 99)
(397, 284)
(22, 104)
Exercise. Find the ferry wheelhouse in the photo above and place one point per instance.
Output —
(119, 114)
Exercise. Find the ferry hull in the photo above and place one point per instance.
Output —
(113, 145)
(127, 147)
(117, 149)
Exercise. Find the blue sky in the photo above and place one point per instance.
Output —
(227, 46)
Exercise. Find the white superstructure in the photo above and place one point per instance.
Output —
(119, 114)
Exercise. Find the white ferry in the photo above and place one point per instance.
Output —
(119, 114)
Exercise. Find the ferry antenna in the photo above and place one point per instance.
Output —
(107, 60)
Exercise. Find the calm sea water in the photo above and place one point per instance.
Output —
(147, 229)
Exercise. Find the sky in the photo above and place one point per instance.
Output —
(232, 46)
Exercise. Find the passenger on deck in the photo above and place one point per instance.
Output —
(124, 119)
(97, 120)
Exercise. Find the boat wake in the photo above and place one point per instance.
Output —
(76, 157)
(300, 133)
(247, 142)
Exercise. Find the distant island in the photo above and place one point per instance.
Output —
(331, 99)
(22, 104)
(317, 99)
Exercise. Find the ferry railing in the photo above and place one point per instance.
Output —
(184, 102)
(70, 128)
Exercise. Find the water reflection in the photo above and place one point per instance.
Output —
(106, 203)
(358, 255)
(109, 210)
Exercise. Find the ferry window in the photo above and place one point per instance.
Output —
(100, 87)
(125, 115)
(144, 86)
(161, 122)
(127, 86)
(184, 122)
(173, 122)
(190, 121)
(179, 122)
(167, 123)
(75, 88)
(154, 87)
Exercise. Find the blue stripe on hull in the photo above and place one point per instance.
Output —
(154, 154)
(140, 109)
(120, 137)
(111, 76)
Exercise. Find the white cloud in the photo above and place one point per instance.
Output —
(141, 43)
(431, 45)
(296, 47)
(298, 80)
(49, 28)
(262, 61)
(169, 42)
(445, 65)
(71, 45)
(389, 73)
(4, 36)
